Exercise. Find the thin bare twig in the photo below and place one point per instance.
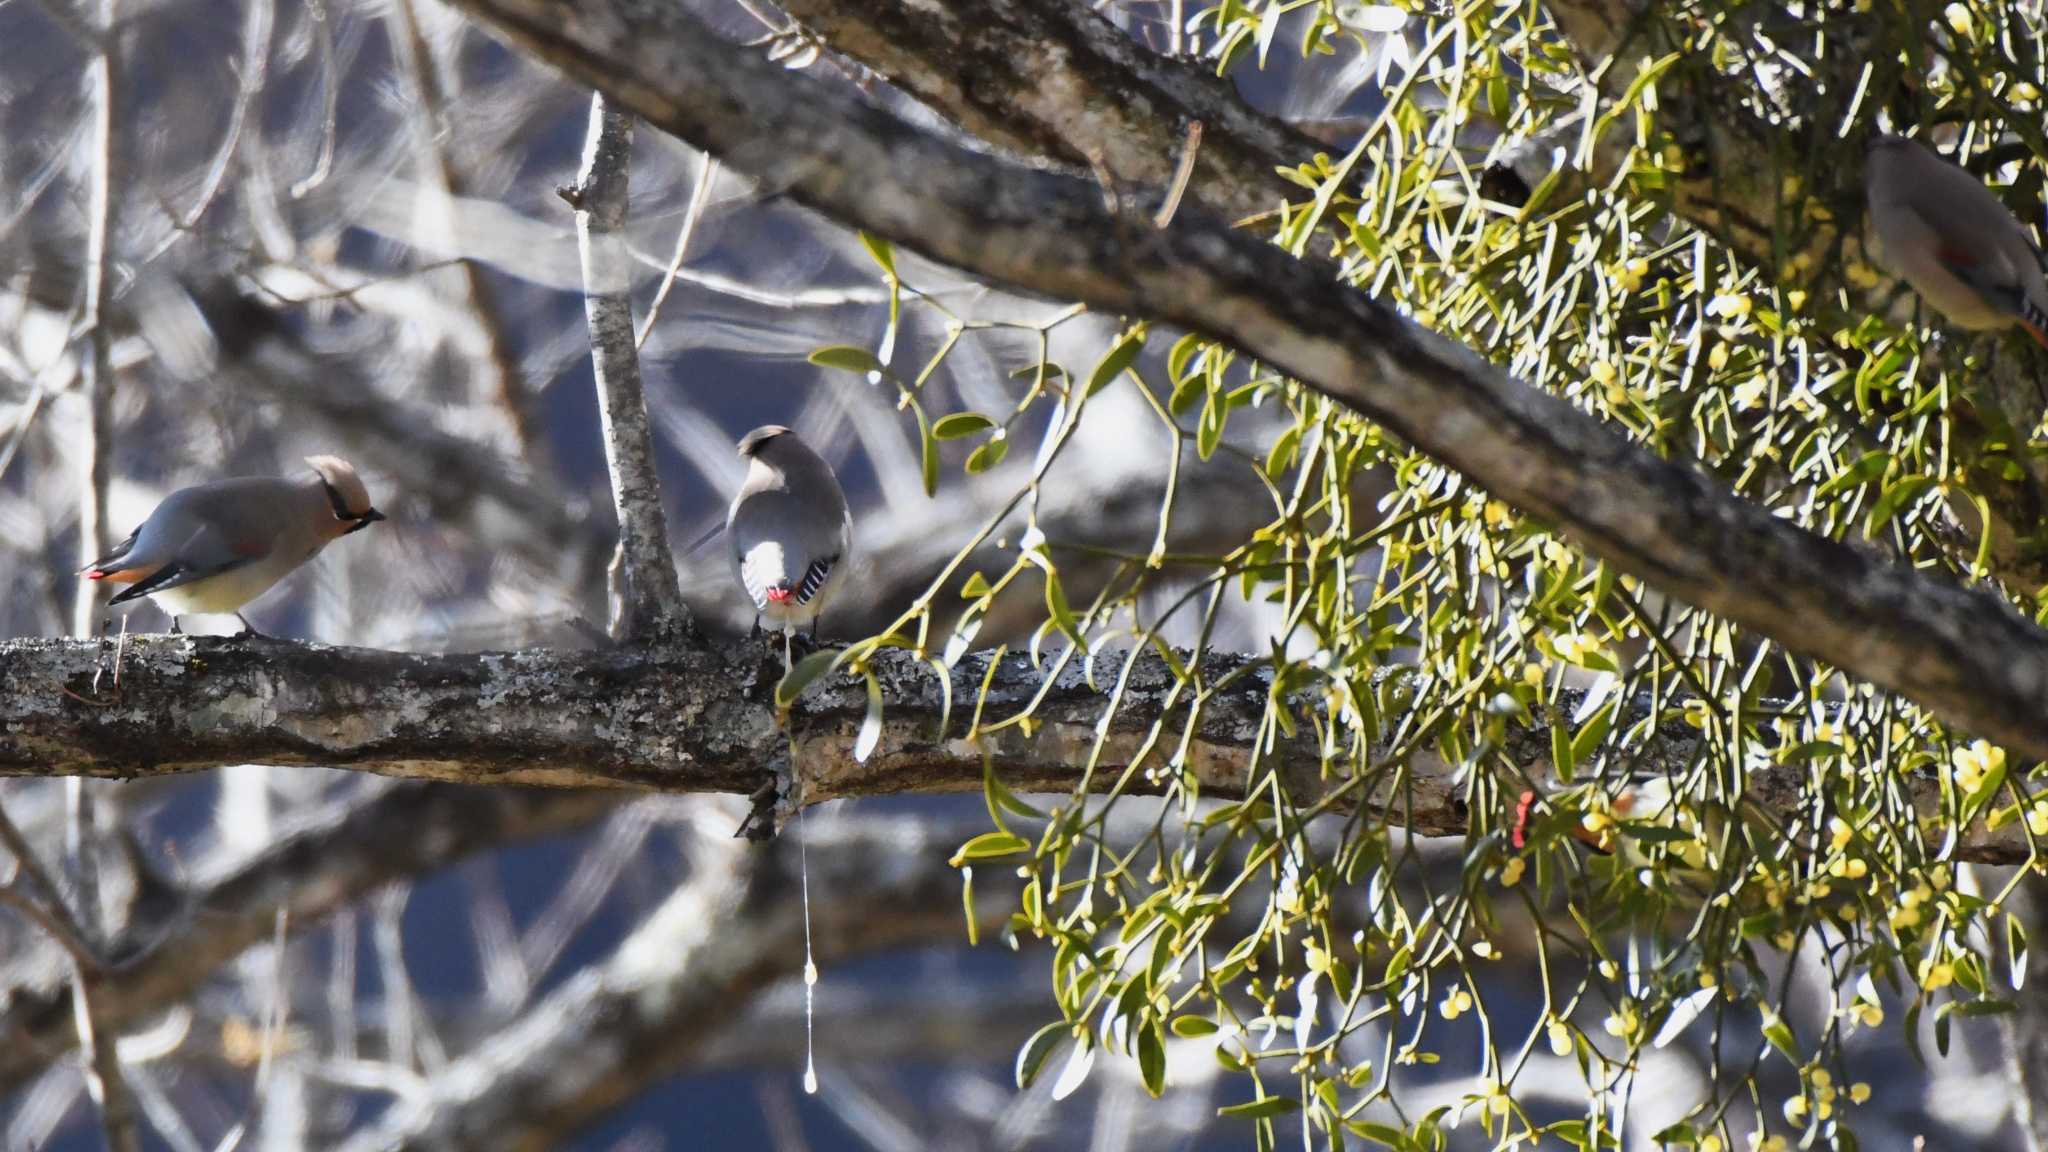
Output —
(653, 601)
(705, 176)
(109, 1088)
(1181, 175)
(97, 442)
(323, 39)
(107, 1083)
(250, 79)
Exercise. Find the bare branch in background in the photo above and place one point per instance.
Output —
(706, 176)
(96, 445)
(432, 134)
(315, 865)
(671, 989)
(105, 1079)
(653, 603)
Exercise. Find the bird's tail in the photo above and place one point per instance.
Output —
(111, 566)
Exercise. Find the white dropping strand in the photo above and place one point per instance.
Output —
(810, 967)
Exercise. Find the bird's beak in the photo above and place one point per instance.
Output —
(371, 517)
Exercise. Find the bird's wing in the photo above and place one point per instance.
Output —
(206, 553)
(815, 576)
(1971, 248)
(2000, 284)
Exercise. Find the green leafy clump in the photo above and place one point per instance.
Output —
(1659, 807)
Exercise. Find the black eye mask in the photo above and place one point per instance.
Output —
(341, 511)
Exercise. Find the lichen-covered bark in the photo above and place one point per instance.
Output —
(1963, 654)
(673, 717)
(694, 717)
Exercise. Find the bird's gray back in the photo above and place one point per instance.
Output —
(794, 500)
(245, 514)
(1953, 203)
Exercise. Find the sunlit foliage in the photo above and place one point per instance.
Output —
(1608, 743)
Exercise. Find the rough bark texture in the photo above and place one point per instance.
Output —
(677, 718)
(1059, 81)
(690, 718)
(1963, 654)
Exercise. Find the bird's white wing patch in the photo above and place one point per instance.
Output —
(762, 567)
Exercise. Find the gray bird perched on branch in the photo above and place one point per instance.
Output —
(212, 548)
(789, 529)
(1941, 230)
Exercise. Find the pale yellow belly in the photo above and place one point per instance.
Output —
(227, 592)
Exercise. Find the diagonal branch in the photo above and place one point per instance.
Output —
(1964, 655)
(1059, 81)
(650, 602)
(672, 987)
(327, 861)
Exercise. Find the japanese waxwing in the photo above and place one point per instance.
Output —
(789, 529)
(213, 548)
(1941, 230)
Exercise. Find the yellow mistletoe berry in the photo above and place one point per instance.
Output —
(1839, 834)
(1973, 764)
(1560, 1038)
(1511, 872)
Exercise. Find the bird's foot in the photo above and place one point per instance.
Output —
(802, 644)
(248, 631)
(759, 824)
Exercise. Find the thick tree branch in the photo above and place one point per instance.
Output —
(1962, 654)
(701, 719)
(678, 718)
(650, 602)
(1059, 81)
